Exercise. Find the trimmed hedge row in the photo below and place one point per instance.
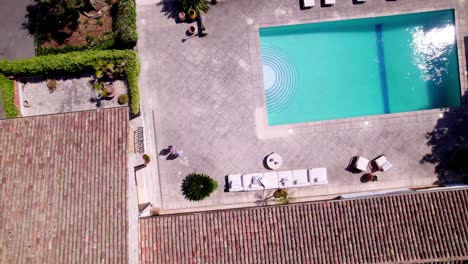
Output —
(8, 95)
(78, 62)
(124, 35)
(125, 25)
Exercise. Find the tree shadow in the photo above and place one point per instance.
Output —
(44, 21)
(449, 145)
(170, 9)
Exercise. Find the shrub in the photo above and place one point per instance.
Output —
(146, 158)
(196, 187)
(51, 84)
(123, 99)
(197, 5)
(8, 95)
(89, 38)
(79, 62)
(125, 25)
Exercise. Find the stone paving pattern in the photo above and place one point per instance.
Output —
(203, 94)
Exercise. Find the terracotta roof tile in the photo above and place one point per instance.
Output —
(429, 226)
(63, 188)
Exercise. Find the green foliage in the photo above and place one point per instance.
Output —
(146, 158)
(280, 193)
(124, 35)
(125, 25)
(197, 187)
(51, 84)
(123, 99)
(197, 5)
(89, 38)
(79, 62)
(100, 22)
(53, 18)
(8, 95)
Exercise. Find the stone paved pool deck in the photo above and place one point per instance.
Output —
(205, 95)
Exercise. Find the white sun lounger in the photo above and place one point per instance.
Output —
(307, 3)
(270, 180)
(361, 163)
(330, 2)
(252, 181)
(300, 178)
(318, 176)
(285, 179)
(382, 163)
(235, 183)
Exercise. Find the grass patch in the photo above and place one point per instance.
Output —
(8, 95)
(78, 62)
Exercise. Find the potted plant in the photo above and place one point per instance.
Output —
(373, 177)
(52, 85)
(191, 30)
(196, 186)
(192, 14)
(182, 16)
(110, 90)
(146, 158)
(122, 99)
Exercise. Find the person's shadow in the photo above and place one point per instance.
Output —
(165, 151)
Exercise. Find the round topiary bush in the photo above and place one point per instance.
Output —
(123, 99)
(196, 187)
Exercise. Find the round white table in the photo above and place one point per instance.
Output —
(274, 161)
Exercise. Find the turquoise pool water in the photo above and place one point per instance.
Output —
(360, 67)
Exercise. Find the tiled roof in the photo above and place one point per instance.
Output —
(430, 226)
(63, 188)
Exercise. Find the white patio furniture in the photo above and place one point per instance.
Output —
(382, 163)
(318, 176)
(235, 183)
(361, 164)
(307, 3)
(300, 178)
(252, 181)
(330, 2)
(360, 1)
(270, 180)
(274, 161)
(285, 179)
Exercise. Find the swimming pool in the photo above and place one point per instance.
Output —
(360, 67)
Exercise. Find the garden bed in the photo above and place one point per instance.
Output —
(124, 63)
(77, 29)
(68, 95)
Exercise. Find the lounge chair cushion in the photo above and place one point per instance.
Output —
(235, 183)
(285, 179)
(380, 161)
(361, 163)
(300, 178)
(252, 181)
(270, 180)
(318, 176)
(386, 166)
(308, 3)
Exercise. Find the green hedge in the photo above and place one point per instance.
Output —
(125, 25)
(78, 62)
(8, 95)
